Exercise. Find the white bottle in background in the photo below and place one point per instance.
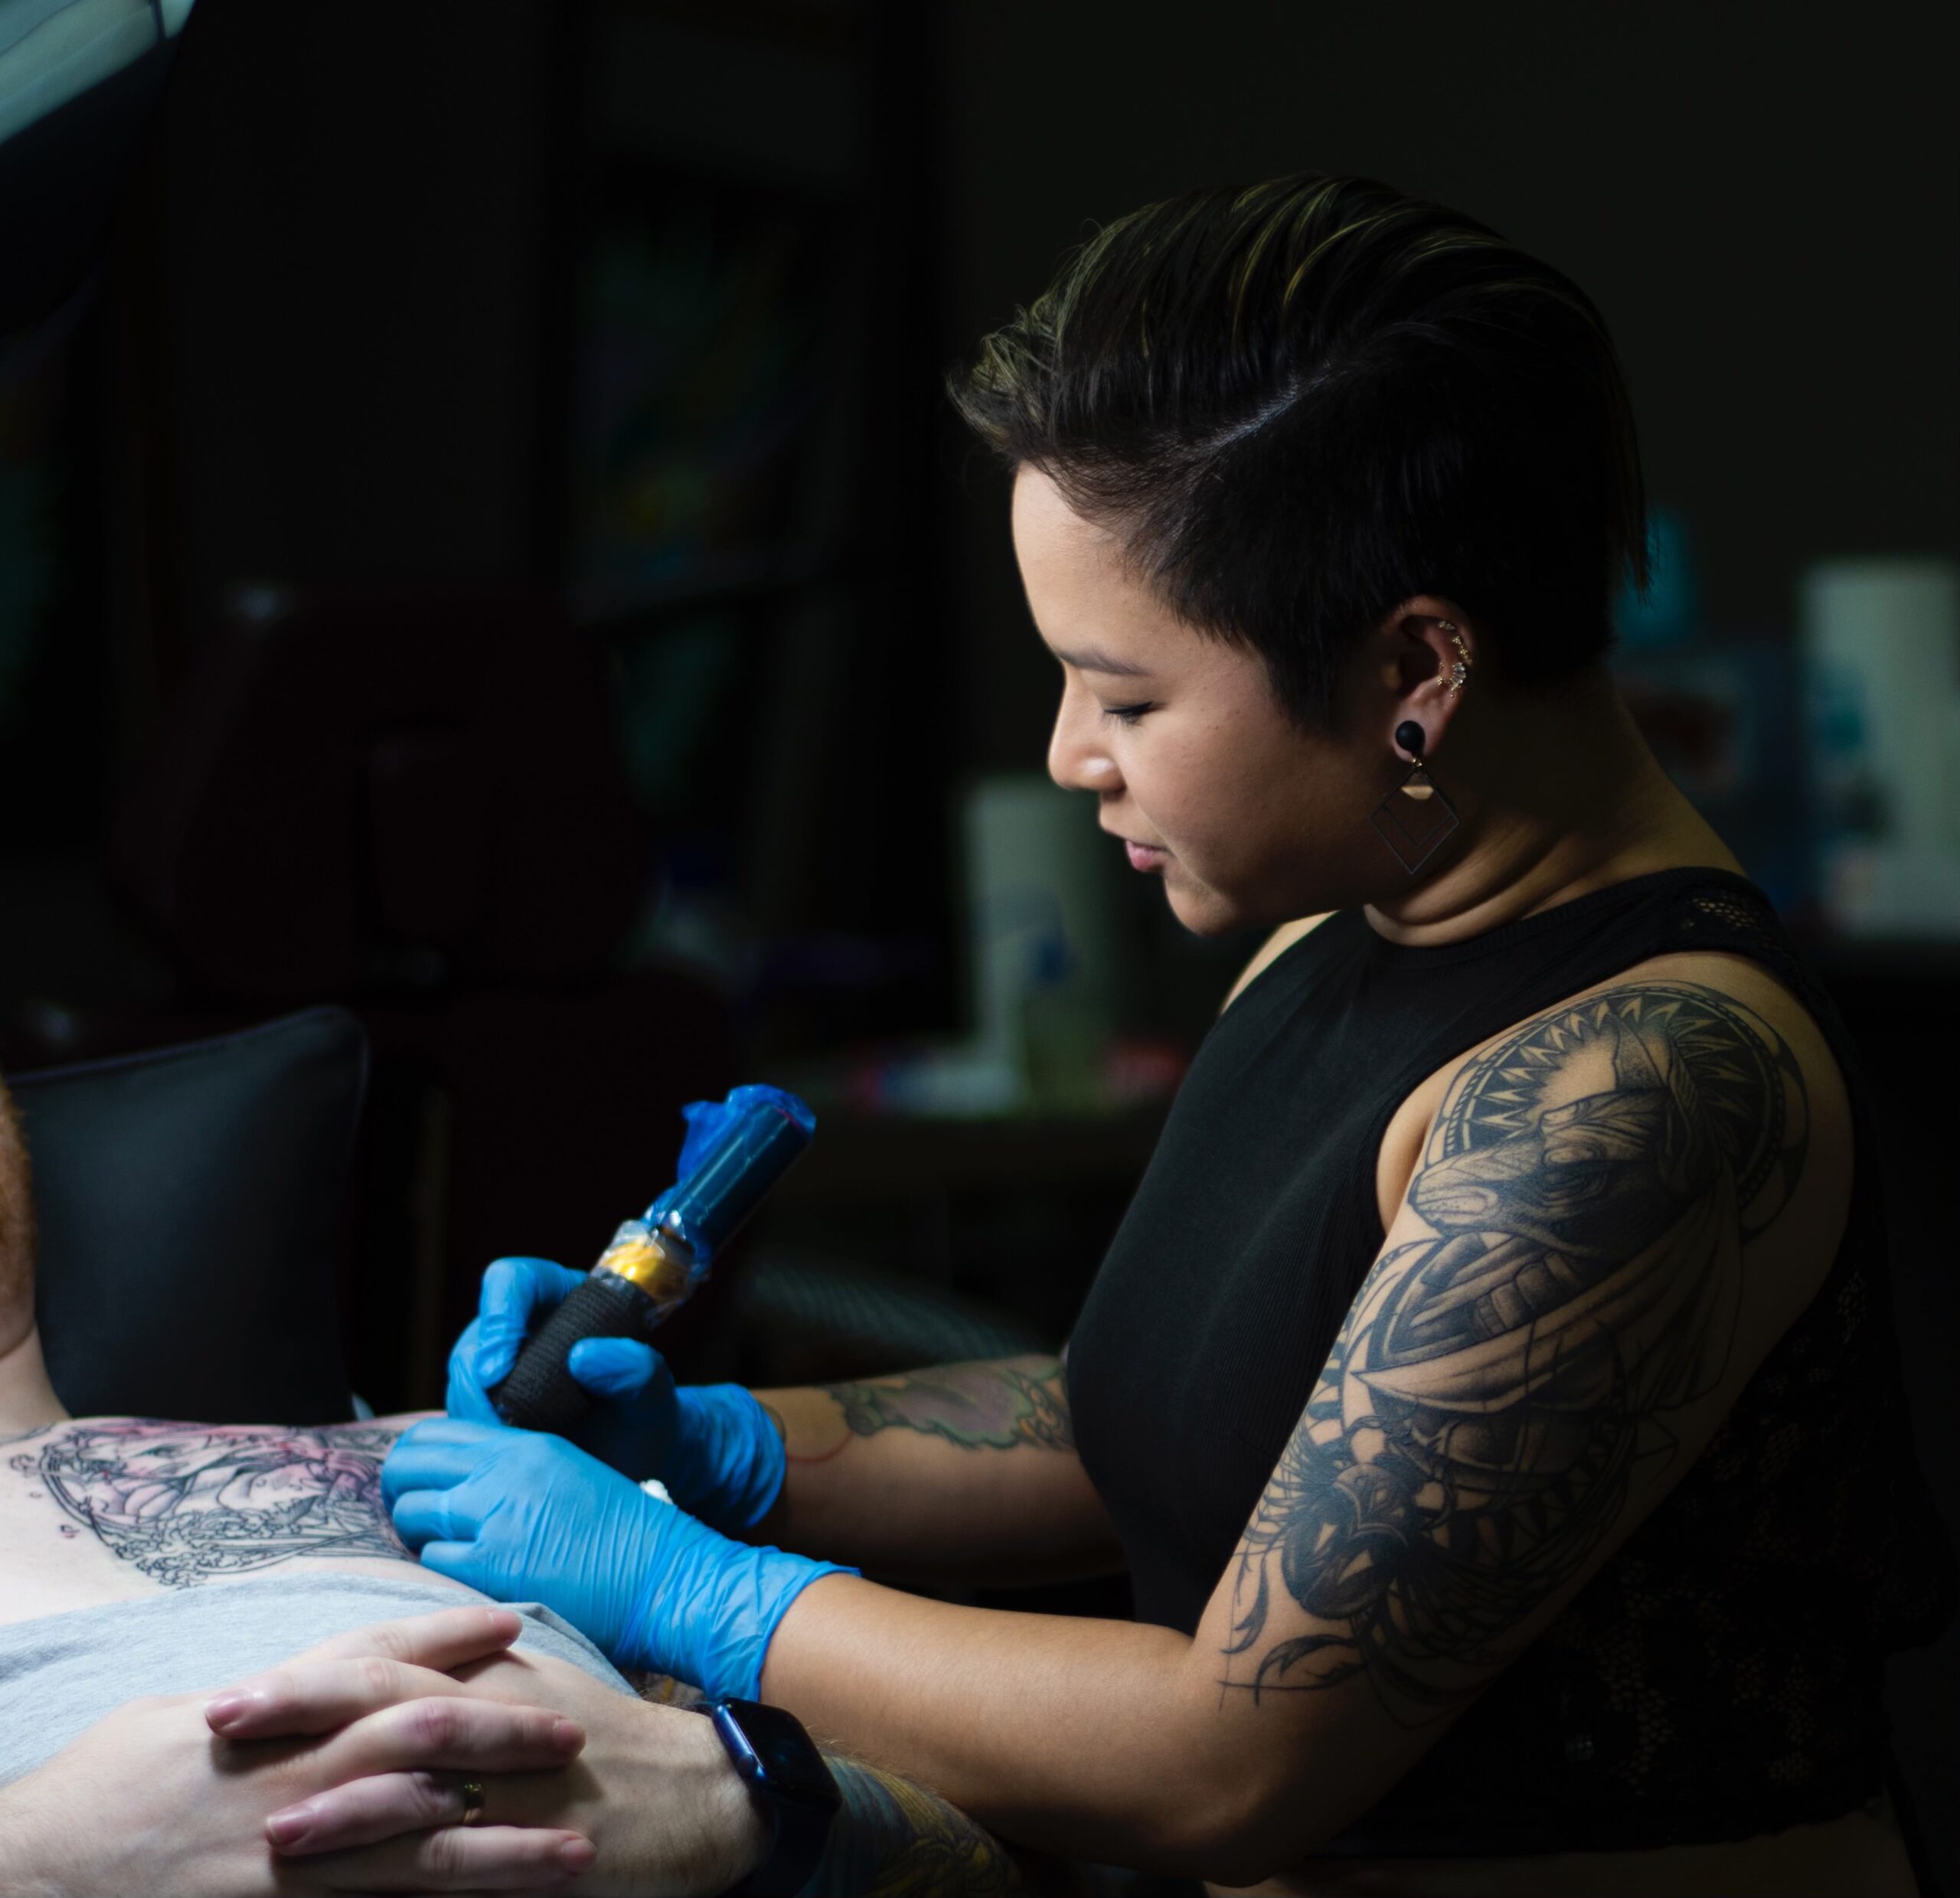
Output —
(1879, 640)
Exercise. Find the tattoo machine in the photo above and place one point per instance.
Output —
(736, 1150)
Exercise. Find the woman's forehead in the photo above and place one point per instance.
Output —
(1088, 603)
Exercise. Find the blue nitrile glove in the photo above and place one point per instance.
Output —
(712, 1445)
(522, 1516)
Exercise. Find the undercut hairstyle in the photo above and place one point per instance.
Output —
(1299, 404)
(16, 1221)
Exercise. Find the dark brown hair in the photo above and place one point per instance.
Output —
(1301, 403)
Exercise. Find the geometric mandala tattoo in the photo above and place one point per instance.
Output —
(183, 1502)
(1496, 1387)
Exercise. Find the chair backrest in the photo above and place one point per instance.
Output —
(187, 1202)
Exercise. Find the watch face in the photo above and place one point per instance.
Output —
(789, 1765)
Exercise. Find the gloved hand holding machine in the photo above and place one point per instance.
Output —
(734, 1152)
(562, 1518)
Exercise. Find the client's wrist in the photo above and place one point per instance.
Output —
(737, 1827)
(37, 1858)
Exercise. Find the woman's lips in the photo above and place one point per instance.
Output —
(1145, 856)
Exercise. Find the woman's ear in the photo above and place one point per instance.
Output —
(1433, 658)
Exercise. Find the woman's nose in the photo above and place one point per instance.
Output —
(1076, 760)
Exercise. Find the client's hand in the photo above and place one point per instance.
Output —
(148, 1799)
(521, 1516)
(653, 1788)
(712, 1445)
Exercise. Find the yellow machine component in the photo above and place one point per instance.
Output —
(660, 1264)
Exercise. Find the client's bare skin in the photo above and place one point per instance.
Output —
(96, 1510)
(105, 1510)
(108, 1509)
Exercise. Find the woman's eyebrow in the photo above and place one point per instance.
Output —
(1093, 659)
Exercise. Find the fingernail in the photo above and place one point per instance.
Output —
(576, 1855)
(227, 1711)
(567, 1736)
(287, 1827)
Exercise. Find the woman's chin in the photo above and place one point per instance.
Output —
(1201, 909)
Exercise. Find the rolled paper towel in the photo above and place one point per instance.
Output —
(1038, 871)
(1880, 646)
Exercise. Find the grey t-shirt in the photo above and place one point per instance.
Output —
(62, 1673)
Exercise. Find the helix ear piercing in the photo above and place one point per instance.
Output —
(1459, 669)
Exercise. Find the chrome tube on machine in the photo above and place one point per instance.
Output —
(735, 1151)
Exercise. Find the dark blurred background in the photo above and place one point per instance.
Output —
(482, 541)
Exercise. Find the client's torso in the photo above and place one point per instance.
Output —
(139, 1558)
(113, 1509)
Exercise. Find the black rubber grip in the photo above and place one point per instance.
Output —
(540, 1393)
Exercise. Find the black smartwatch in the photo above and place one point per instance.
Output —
(782, 1769)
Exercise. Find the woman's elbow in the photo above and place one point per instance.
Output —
(1236, 1830)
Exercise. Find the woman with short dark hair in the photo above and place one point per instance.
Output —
(1490, 1390)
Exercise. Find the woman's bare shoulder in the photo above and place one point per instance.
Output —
(1720, 1033)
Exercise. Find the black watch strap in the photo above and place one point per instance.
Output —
(796, 1848)
(784, 1771)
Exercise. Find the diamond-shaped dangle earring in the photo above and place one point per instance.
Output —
(1415, 817)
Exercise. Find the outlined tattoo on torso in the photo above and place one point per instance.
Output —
(993, 1406)
(1497, 1388)
(184, 1502)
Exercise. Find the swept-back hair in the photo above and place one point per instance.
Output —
(1301, 403)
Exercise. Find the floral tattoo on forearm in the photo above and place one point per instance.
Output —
(1002, 1405)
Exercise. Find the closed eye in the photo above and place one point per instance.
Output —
(1129, 714)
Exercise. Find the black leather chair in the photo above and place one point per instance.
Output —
(188, 1202)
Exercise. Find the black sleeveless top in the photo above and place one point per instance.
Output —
(1720, 1677)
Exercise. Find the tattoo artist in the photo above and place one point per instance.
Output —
(1523, 1148)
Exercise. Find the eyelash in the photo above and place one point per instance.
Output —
(1128, 714)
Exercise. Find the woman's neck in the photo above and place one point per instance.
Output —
(1559, 794)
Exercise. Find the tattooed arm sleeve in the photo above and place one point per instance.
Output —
(1561, 1316)
(1623, 1203)
(959, 1470)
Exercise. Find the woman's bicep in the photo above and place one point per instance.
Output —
(1560, 1318)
